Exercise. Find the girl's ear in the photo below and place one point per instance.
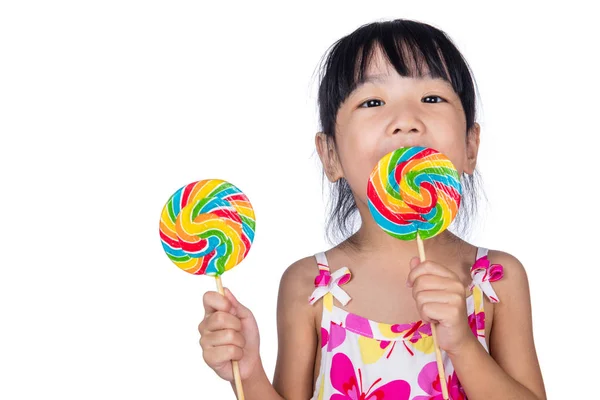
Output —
(472, 148)
(328, 156)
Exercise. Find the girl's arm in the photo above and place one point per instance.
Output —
(297, 333)
(297, 340)
(512, 371)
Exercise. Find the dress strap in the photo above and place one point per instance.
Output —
(326, 282)
(322, 262)
(483, 273)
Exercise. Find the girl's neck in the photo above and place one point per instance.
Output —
(371, 241)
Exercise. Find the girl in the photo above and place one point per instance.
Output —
(365, 332)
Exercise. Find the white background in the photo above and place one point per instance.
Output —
(107, 108)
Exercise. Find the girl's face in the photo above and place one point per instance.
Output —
(388, 112)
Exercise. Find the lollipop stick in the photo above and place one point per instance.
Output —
(234, 364)
(438, 354)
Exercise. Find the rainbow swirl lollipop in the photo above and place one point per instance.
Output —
(414, 190)
(207, 227)
(414, 193)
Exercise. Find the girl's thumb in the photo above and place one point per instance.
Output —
(238, 308)
(414, 262)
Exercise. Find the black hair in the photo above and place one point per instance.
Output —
(407, 45)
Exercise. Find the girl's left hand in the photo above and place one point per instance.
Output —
(440, 298)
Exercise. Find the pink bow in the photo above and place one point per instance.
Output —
(492, 272)
(327, 282)
(324, 278)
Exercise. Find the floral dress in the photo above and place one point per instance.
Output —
(363, 359)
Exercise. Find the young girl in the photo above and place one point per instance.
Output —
(365, 331)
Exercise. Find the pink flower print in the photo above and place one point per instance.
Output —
(344, 380)
(418, 330)
(477, 320)
(383, 344)
(324, 337)
(371, 350)
(359, 325)
(413, 332)
(429, 381)
(337, 335)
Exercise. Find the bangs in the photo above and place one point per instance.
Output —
(414, 50)
(409, 59)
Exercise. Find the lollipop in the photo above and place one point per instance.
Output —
(414, 190)
(207, 228)
(414, 193)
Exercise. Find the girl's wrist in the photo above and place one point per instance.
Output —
(258, 374)
(466, 349)
(257, 385)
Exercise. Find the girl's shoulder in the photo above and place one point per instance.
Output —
(514, 274)
(299, 281)
(299, 273)
(512, 288)
(295, 286)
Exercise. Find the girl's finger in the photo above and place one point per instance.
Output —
(436, 282)
(223, 337)
(222, 320)
(439, 312)
(431, 268)
(222, 354)
(214, 301)
(438, 296)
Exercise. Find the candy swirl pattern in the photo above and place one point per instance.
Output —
(414, 190)
(207, 227)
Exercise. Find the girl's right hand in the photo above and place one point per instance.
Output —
(228, 332)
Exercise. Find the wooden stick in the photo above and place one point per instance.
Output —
(438, 354)
(234, 364)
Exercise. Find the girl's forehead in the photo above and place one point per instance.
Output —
(379, 66)
(383, 73)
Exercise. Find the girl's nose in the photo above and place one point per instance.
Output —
(407, 122)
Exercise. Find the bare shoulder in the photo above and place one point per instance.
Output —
(297, 280)
(512, 289)
(514, 281)
(295, 287)
(305, 268)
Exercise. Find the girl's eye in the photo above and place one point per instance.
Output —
(431, 99)
(372, 103)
